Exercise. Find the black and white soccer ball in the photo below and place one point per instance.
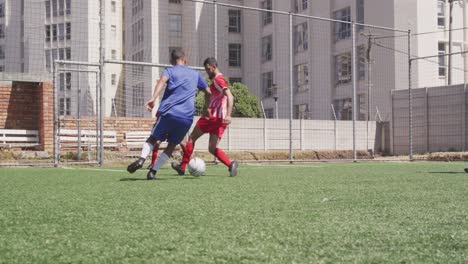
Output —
(197, 167)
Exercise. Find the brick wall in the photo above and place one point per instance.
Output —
(28, 105)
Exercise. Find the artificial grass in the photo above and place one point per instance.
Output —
(318, 213)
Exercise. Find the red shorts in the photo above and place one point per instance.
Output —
(212, 126)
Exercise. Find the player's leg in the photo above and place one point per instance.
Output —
(188, 151)
(154, 155)
(146, 149)
(220, 155)
(162, 159)
(177, 129)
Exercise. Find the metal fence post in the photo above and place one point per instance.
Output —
(79, 115)
(56, 117)
(291, 54)
(354, 72)
(215, 7)
(410, 98)
(101, 82)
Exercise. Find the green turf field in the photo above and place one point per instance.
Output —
(317, 213)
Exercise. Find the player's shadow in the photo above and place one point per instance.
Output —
(447, 172)
(159, 179)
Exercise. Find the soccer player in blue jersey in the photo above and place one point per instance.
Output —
(175, 113)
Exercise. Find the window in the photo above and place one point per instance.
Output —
(68, 53)
(47, 58)
(68, 31)
(360, 14)
(68, 7)
(175, 1)
(137, 6)
(2, 9)
(267, 84)
(234, 21)
(54, 32)
(65, 106)
(301, 111)
(267, 17)
(301, 37)
(343, 68)
(61, 31)
(114, 79)
(342, 30)
(113, 6)
(61, 54)
(61, 106)
(47, 29)
(138, 99)
(68, 77)
(2, 68)
(62, 81)
(114, 54)
(343, 109)
(442, 60)
(234, 55)
(137, 32)
(441, 13)
(2, 52)
(61, 8)
(54, 7)
(267, 48)
(114, 31)
(301, 77)
(47, 8)
(68, 106)
(300, 5)
(235, 80)
(362, 60)
(2, 31)
(175, 26)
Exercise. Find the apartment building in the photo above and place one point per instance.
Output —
(34, 33)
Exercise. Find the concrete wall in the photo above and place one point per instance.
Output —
(439, 120)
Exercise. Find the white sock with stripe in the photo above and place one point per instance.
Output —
(162, 159)
(146, 150)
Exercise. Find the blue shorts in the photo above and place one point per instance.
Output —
(171, 128)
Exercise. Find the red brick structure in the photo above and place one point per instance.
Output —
(28, 105)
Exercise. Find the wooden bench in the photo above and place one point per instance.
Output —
(69, 138)
(11, 138)
(135, 139)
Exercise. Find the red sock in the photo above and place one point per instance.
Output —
(187, 154)
(155, 156)
(223, 157)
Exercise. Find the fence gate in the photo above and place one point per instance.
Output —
(77, 129)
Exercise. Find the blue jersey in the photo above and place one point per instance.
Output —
(179, 96)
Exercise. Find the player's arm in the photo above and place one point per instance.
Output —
(230, 105)
(207, 103)
(159, 87)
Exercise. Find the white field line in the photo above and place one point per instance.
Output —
(281, 166)
(68, 168)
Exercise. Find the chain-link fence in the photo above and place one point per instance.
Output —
(306, 86)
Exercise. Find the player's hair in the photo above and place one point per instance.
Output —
(177, 54)
(210, 61)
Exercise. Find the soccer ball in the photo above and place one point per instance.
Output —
(197, 167)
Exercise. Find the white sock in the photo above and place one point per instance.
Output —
(146, 150)
(160, 161)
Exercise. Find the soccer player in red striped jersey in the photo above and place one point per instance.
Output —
(214, 120)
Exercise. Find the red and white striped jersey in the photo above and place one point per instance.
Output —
(218, 101)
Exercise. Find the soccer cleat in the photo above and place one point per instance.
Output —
(151, 175)
(137, 164)
(233, 169)
(466, 170)
(176, 166)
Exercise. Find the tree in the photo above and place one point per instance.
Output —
(245, 103)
